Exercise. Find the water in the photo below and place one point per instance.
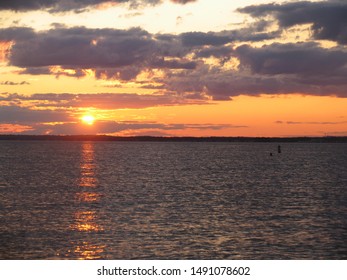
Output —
(147, 200)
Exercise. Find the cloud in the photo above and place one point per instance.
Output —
(128, 128)
(36, 71)
(82, 47)
(304, 59)
(106, 101)
(174, 64)
(218, 52)
(199, 39)
(191, 39)
(6, 128)
(310, 123)
(24, 5)
(114, 53)
(305, 68)
(183, 61)
(27, 121)
(328, 19)
(16, 33)
(223, 85)
(78, 6)
(56, 5)
(265, 72)
(10, 83)
(59, 114)
(22, 115)
(302, 67)
(334, 133)
(183, 1)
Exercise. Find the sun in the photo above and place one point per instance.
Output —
(88, 119)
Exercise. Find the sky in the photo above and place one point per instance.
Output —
(173, 67)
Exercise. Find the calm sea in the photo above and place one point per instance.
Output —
(148, 200)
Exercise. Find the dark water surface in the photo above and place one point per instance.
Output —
(139, 200)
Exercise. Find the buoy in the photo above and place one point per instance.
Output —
(279, 149)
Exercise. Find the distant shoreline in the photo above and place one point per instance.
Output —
(327, 139)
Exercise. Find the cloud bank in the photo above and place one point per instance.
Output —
(78, 6)
(116, 54)
(328, 19)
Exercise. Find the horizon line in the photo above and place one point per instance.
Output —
(149, 138)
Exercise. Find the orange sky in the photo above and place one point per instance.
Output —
(257, 68)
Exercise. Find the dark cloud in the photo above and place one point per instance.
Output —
(24, 5)
(334, 133)
(55, 5)
(276, 68)
(192, 39)
(76, 73)
(51, 122)
(22, 115)
(174, 64)
(303, 59)
(310, 123)
(304, 68)
(223, 85)
(328, 18)
(111, 52)
(17, 34)
(36, 71)
(64, 119)
(218, 52)
(101, 100)
(83, 48)
(199, 39)
(255, 32)
(115, 53)
(78, 6)
(183, 1)
(131, 128)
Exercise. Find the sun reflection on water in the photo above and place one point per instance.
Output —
(86, 217)
(88, 251)
(86, 221)
(87, 166)
(88, 196)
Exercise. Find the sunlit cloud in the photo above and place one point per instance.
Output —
(114, 54)
(8, 128)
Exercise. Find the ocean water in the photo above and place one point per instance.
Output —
(151, 200)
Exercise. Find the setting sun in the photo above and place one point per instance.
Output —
(88, 119)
